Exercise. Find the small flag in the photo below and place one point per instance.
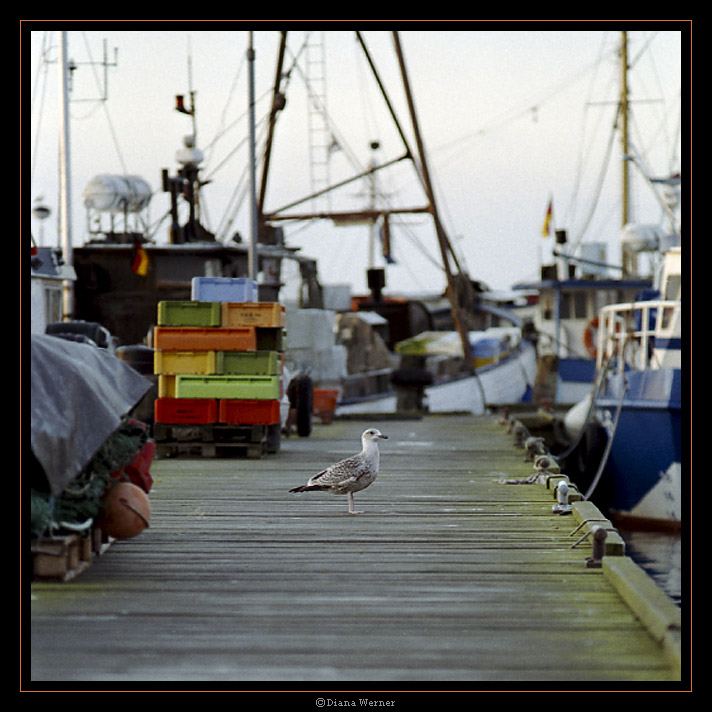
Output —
(385, 235)
(546, 228)
(139, 259)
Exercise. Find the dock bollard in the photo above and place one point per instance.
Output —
(599, 548)
(599, 536)
(562, 497)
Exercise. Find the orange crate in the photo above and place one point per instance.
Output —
(192, 338)
(324, 405)
(186, 411)
(325, 399)
(249, 412)
(263, 314)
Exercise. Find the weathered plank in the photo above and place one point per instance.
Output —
(448, 576)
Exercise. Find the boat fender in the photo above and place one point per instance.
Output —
(125, 511)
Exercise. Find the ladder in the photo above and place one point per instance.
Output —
(320, 138)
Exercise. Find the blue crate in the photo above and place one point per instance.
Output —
(224, 289)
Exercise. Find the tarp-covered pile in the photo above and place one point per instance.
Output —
(80, 395)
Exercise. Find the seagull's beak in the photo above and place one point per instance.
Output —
(383, 437)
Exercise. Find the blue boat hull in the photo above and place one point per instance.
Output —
(643, 471)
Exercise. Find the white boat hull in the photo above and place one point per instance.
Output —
(507, 381)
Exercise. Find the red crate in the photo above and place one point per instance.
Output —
(186, 411)
(249, 412)
(216, 338)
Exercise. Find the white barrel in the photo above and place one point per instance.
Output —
(641, 238)
(117, 193)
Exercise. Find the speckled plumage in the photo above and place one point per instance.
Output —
(352, 474)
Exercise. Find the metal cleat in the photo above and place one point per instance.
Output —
(535, 447)
(520, 433)
(600, 534)
(546, 464)
(562, 497)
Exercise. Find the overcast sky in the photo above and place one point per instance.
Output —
(509, 118)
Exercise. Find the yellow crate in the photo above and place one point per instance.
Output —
(167, 385)
(184, 362)
(264, 314)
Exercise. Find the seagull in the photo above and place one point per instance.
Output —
(350, 475)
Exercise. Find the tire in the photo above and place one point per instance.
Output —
(301, 399)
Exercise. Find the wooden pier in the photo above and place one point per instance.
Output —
(449, 577)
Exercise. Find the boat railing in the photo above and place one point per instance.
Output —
(627, 332)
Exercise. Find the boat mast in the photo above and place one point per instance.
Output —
(628, 257)
(278, 103)
(445, 248)
(458, 286)
(65, 176)
(624, 124)
(253, 183)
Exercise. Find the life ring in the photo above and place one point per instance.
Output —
(589, 337)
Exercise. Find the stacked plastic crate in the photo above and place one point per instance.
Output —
(219, 361)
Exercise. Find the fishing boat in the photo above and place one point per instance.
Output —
(566, 320)
(431, 374)
(581, 279)
(635, 410)
(472, 360)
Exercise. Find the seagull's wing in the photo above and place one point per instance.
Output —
(339, 473)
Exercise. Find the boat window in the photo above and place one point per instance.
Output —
(573, 305)
(603, 297)
(673, 287)
(547, 311)
(53, 304)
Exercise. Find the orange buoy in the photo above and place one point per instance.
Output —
(125, 511)
(589, 337)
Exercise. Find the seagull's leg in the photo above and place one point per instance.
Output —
(351, 504)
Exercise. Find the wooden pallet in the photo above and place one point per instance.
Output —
(216, 440)
(61, 558)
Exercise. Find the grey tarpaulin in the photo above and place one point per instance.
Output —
(80, 394)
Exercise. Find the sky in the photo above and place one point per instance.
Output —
(511, 119)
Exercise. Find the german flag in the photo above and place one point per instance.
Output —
(139, 259)
(546, 227)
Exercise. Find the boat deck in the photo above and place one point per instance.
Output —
(448, 577)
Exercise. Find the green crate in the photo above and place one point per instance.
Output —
(236, 387)
(172, 313)
(249, 363)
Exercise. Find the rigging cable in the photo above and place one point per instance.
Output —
(599, 186)
(570, 212)
(515, 113)
(104, 104)
(609, 443)
(41, 68)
